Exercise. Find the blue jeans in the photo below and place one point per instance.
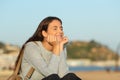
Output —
(69, 76)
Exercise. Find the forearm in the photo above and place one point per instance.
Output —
(34, 57)
(56, 50)
(63, 66)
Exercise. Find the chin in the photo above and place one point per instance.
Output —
(60, 39)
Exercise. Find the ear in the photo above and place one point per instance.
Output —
(44, 33)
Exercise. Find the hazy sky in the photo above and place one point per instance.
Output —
(86, 20)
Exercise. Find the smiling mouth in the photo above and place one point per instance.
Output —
(59, 36)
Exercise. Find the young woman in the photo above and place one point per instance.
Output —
(48, 58)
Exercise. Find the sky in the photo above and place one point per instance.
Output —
(83, 20)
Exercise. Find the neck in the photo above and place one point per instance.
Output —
(47, 45)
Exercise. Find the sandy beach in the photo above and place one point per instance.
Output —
(99, 75)
(85, 75)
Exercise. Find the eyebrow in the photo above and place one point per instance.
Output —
(56, 26)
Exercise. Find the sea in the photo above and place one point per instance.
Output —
(93, 68)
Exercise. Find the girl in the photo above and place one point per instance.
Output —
(48, 58)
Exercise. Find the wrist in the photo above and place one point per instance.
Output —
(61, 47)
(56, 50)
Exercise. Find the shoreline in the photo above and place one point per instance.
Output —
(93, 68)
(87, 62)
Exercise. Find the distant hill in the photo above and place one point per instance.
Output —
(91, 50)
(8, 55)
(76, 50)
(8, 48)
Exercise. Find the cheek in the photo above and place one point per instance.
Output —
(52, 33)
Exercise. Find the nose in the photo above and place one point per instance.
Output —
(60, 31)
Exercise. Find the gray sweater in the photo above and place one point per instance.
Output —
(45, 62)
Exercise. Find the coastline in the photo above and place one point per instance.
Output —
(87, 62)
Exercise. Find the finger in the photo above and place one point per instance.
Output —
(65, 39)
(52, 38)
(55, 38)
(48, 38)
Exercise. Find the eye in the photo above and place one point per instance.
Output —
(55, 28)
(61, 28)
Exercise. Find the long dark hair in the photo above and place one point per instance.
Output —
(37, 36)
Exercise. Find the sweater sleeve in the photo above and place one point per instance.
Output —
(63, 66)
(32, 54)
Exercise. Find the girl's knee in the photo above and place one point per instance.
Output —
(52, 77)
(71, 76)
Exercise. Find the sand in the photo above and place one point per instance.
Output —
(99, 75)
(85, 75)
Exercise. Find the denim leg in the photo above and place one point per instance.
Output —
(70, 76)
(52, 77)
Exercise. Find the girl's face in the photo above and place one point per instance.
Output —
(55, 29)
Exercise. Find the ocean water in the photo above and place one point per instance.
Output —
(92, 68)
